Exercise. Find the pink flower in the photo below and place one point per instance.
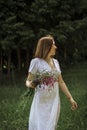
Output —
(46, 78)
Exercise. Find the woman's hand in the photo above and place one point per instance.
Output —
(67, 93)
(29, 84)
(73, 104)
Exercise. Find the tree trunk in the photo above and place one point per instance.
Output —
(9, 64)
(27, 58)
(1, 62)
(19, 59)
(65, 54)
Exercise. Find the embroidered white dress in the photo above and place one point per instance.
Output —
(45, 108)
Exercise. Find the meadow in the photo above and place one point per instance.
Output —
(14, 107)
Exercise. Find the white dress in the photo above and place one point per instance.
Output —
(45, 108)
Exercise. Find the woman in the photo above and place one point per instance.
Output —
(45, 108)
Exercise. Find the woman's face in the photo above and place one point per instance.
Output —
(52, 50)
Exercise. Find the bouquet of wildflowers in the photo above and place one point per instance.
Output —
(45, 77)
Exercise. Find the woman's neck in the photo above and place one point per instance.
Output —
(49, 59)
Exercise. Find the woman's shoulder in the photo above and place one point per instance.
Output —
(35, 60)
(55, 60)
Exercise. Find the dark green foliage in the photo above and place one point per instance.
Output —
(23, 22)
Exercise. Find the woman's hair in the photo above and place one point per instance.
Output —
(43, 47)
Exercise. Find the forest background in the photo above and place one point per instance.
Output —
(22, 23)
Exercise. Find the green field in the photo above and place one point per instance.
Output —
(14, 110)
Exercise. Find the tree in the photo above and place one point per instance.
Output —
(23, 22)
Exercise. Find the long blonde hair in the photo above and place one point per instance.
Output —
(43, 47)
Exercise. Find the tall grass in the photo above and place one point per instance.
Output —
(76, 81)
(14, 111)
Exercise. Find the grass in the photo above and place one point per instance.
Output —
(14, 112)
(75, 78)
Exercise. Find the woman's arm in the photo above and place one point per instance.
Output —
(65, 90)
(29, 81)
